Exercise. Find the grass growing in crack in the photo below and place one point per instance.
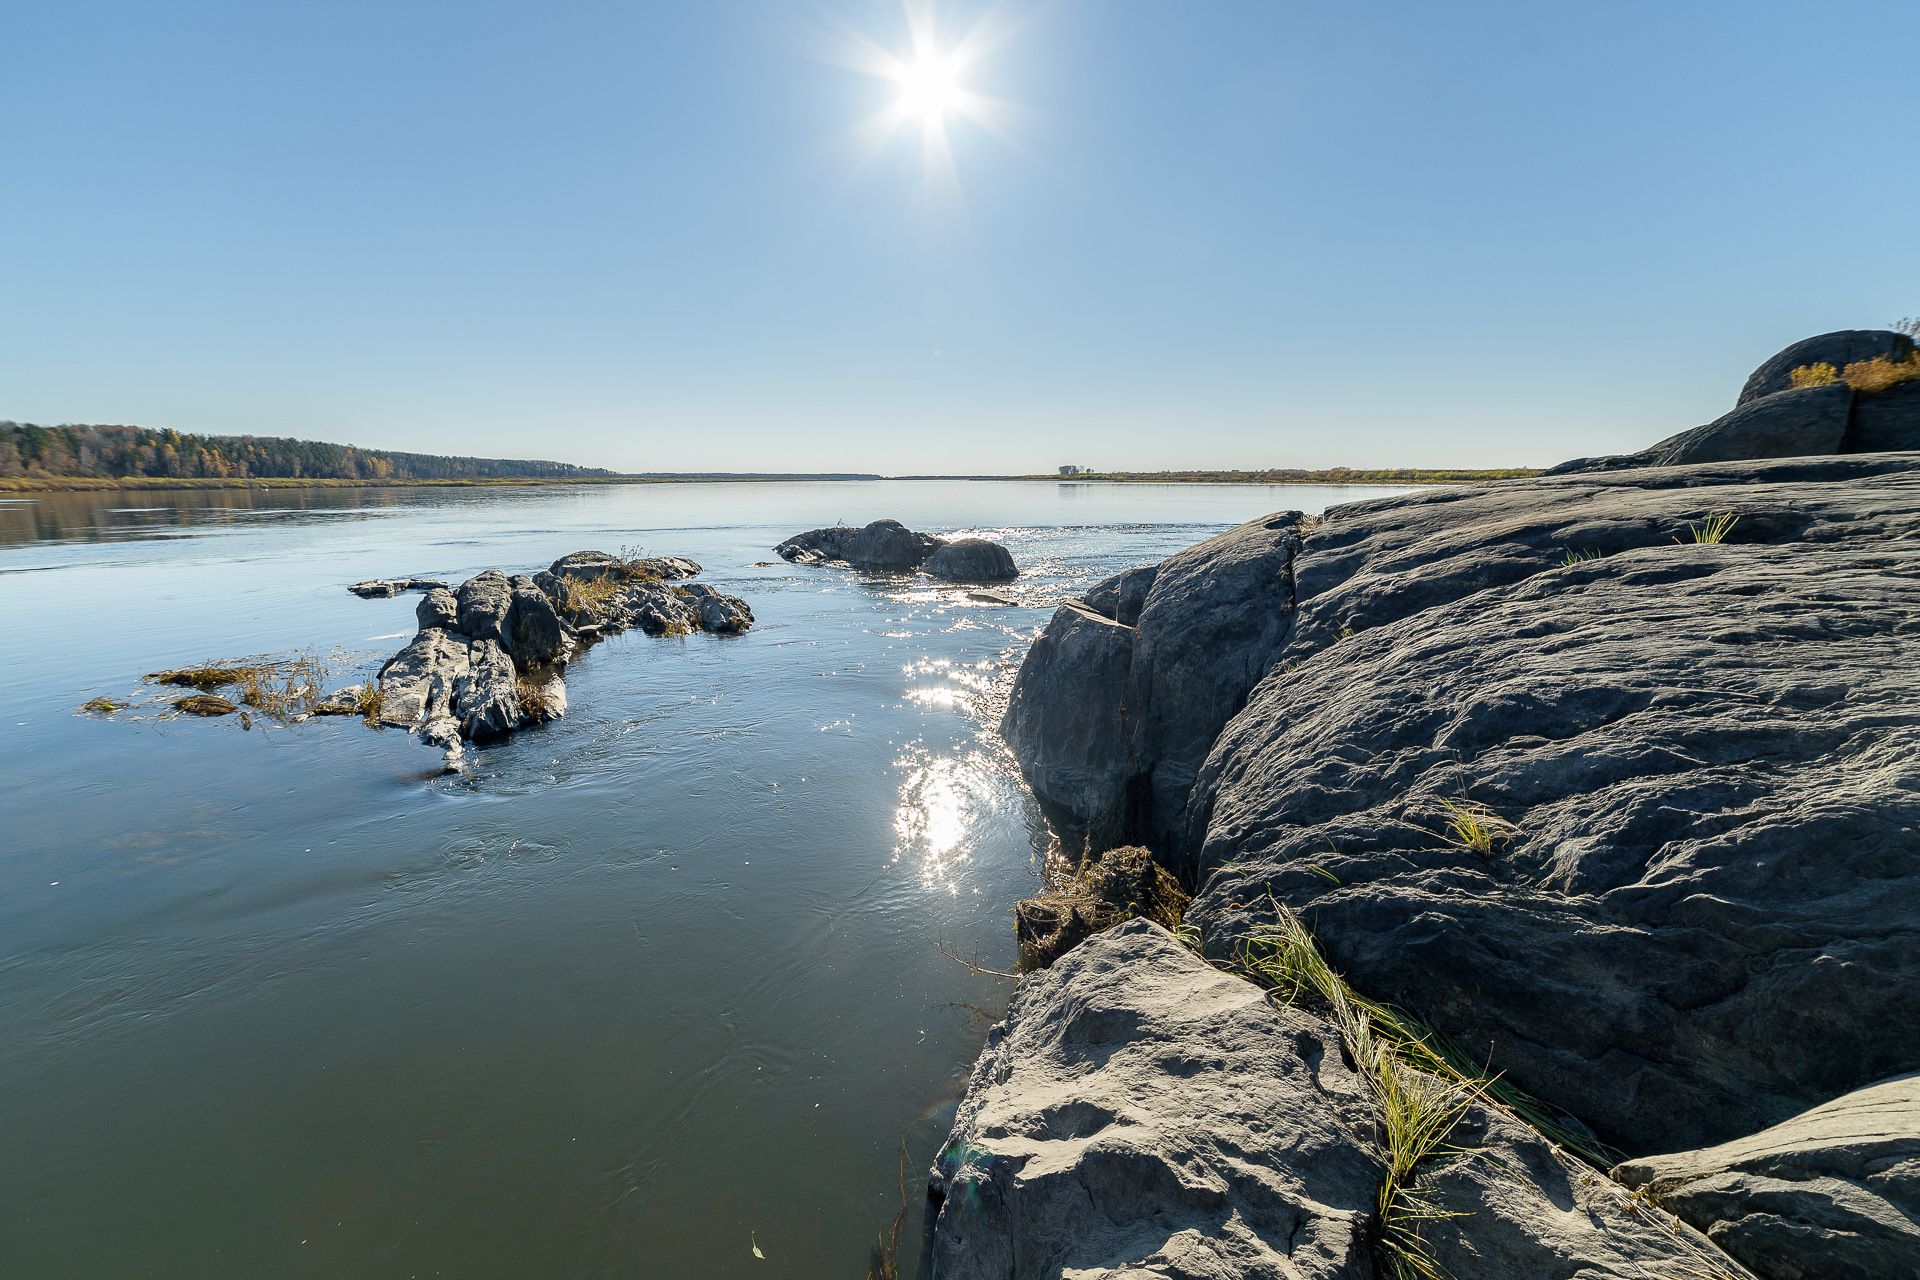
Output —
(1420, 1079)
(1713, 531)
(1476, 829)
(1581, 557)
(373, 700)
(591, 595)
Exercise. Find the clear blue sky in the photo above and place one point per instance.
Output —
(1222, 233)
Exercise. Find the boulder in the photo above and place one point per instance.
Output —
(884, 544)
(484, 602)
(1122, 596)
(1840, 349)
(341, 702)
(1635, 822)
(437, 609)
(417, 684)
(1068, 720)
(1786, 424)
(972, 560)
(1110, 723)
(486, 697)
(1141, 1114)
(981, 596)
(1833, 1193)
(538, 636)
(722, 614)
(1885, 420)
(600, 564)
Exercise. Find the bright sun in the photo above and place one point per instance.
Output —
(930, 87)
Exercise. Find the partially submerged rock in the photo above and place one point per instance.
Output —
(1832, 1193)
(890, 545)
(341, 702)
(490, 657)
(204, 704)
(386, 588)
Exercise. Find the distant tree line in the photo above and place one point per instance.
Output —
(115, 452)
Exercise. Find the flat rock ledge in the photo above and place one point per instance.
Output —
(890, 546)
(1139, 1114)
(491, 657)
(1832, 1194)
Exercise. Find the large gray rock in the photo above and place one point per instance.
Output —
(538, 636)
(972, 560)
(1701, 766)
(1832, 1194)
(1124, 595)
(1068, 721)
(884, 544)
(417, 684)
(438, 610)
(484, 602)
(600, 564)
(1116, 740)
(718, 612)
(1840, 349)
(1885, 420)
(1786, 424)
(1141, 1114)
(487, 696)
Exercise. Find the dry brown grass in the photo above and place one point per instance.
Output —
(1865, 376)
(373, 700)
(279, 686)
(591, 595)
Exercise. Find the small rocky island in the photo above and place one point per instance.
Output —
(1553, 848)
(491, 656)
(890, 546)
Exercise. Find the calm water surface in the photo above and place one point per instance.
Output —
(642, 989)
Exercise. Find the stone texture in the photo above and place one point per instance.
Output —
(417, 683)
(437, 609)
(1111, 723)
(1837, 349)
(484, 602)
(1122, 596)
(538, 635)
(1141, 1114)
(486, 697)
(1786, 424)
(1833, 1193)
(341, 702)
(599, 564)
(972, 560)
(1885, 420)
(717, 612)
(1710, 756)
(884, 544)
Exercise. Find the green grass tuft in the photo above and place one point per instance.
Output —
(1713, 531)
(1474, 828)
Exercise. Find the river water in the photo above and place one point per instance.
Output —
(642, 991)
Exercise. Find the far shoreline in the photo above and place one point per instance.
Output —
(1337, 475)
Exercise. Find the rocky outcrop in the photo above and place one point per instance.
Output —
(1140, 1113)
(972, 560)
(1832, 1194)
(890, 546)
(1695, 763)
(1773, 419)
(490, 658)
(1628, 810)
(1110, 721)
